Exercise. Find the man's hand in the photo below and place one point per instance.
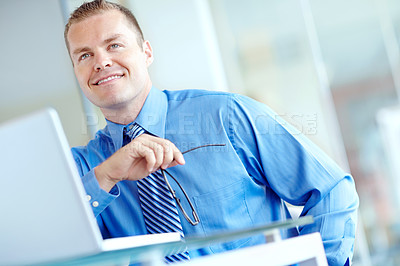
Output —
(136, 160)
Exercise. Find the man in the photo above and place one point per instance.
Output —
(257, 163)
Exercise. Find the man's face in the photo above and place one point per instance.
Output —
(110, 66)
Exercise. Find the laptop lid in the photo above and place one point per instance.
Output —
(44, 215)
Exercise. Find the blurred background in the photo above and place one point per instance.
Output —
(329, 67)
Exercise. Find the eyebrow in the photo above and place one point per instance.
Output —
(112, 38)
(106, 41)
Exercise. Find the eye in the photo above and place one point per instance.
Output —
(83, 57)
(114, 46)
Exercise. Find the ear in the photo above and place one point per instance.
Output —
(148, 51)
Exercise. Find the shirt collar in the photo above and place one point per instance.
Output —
(152, 118)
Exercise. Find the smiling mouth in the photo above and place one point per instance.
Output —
(109, 78)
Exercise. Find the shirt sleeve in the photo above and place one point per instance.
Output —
(282, 158)
(98, 198)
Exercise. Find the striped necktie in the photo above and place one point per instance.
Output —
(158, 205)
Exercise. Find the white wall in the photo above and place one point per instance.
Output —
(184, 42)
(35, 69)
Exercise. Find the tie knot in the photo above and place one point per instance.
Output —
(133, 130)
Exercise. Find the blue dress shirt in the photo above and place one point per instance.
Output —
(243, 184)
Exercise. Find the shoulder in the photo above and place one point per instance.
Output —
(202, 103)
(101, 139)
(206, 100)
(195, 94)
(199, 94)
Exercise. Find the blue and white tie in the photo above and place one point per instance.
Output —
(158, 205)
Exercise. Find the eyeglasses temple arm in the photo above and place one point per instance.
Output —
(196, 217)
(203, 146)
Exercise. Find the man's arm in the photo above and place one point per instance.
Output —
(136, 160)
(292, 166)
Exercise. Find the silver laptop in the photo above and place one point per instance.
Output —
(44, 216)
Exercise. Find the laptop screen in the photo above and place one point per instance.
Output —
(44, 214)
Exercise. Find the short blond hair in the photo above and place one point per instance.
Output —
(96, 7)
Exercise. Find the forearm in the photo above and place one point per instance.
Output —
(335, 218)
(103, 180)
(98, 198)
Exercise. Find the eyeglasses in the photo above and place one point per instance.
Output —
(178, 201)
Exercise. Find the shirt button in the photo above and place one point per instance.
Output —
(95, 204)
(88, 197)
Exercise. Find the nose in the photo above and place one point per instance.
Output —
(102, 61)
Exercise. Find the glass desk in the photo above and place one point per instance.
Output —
(153, 254)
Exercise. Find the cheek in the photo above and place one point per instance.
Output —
(82, 75)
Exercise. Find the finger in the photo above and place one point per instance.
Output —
(168, 154)
(170, 151)
(144, 151)
(172, 164)
(172, 155)
(159, 155)
(161, 149)
(175, 163)
(178, 157)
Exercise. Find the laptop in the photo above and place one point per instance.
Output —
(44, 216)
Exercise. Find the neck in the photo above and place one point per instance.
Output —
(127, 112)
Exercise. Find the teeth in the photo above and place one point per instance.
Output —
(108, 79)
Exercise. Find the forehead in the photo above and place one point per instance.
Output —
(99, 27)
